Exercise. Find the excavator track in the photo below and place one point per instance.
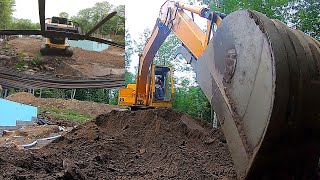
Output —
(264, 86)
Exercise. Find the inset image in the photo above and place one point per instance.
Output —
(81, 43)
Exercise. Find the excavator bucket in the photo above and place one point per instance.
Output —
(264, 86)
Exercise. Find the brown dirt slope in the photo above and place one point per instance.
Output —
(24, 54)
(31, 47)
(83, 107)
(150, 144)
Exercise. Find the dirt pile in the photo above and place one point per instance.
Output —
(24, 54)
(152, 144)
(83, 107)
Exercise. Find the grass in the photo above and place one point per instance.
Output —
(36, 60)
(67, 114)
(6, 46)
(21, 62)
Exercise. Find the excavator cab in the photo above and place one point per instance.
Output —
(161, 86)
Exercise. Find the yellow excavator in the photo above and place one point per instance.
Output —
(262, 80)
(56, 44)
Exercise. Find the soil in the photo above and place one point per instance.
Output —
(82, 63)
(148, 144)
(83, 107)
(27, 135)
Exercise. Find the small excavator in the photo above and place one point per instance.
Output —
(58, 45)
(261, 78)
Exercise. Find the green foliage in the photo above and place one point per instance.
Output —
(106, 96)
(64, 15)
(6, 46)
(129, 78)
(192, 101)
(129, 50)
(21, 62)
(6, 10)
(167, 51)
(114, 97)
(143, 39)
(95, 95)
(36, 61)
(306, 16)
(89, 17)
(273, 8)
(21, 24)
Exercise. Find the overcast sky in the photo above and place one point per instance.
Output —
(28, 9)
(141, 14)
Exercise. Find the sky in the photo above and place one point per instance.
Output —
(28, 9)
(141, 14)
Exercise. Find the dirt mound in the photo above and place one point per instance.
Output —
(22, 97)
(31, 47)
(83, 107)
(151, 144)
(23, 54)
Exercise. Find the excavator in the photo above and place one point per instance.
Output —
(261, 78)
(58, 44)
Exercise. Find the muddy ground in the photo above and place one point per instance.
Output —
(149, 144)
(23, 54)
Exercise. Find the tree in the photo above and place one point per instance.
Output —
(167, 51)
(273, 9)
(143, 39)
(117, 23)
(191, 100)
(129, 77)
(6, 10)
(89, 17)
(64, 15)
(306, 17)
(22, 24)
(129, 49)
(84, 18)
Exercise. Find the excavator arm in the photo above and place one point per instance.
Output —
(173, 18)
(262, 80)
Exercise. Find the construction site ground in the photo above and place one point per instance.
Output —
(117, 144)
(24, 54)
